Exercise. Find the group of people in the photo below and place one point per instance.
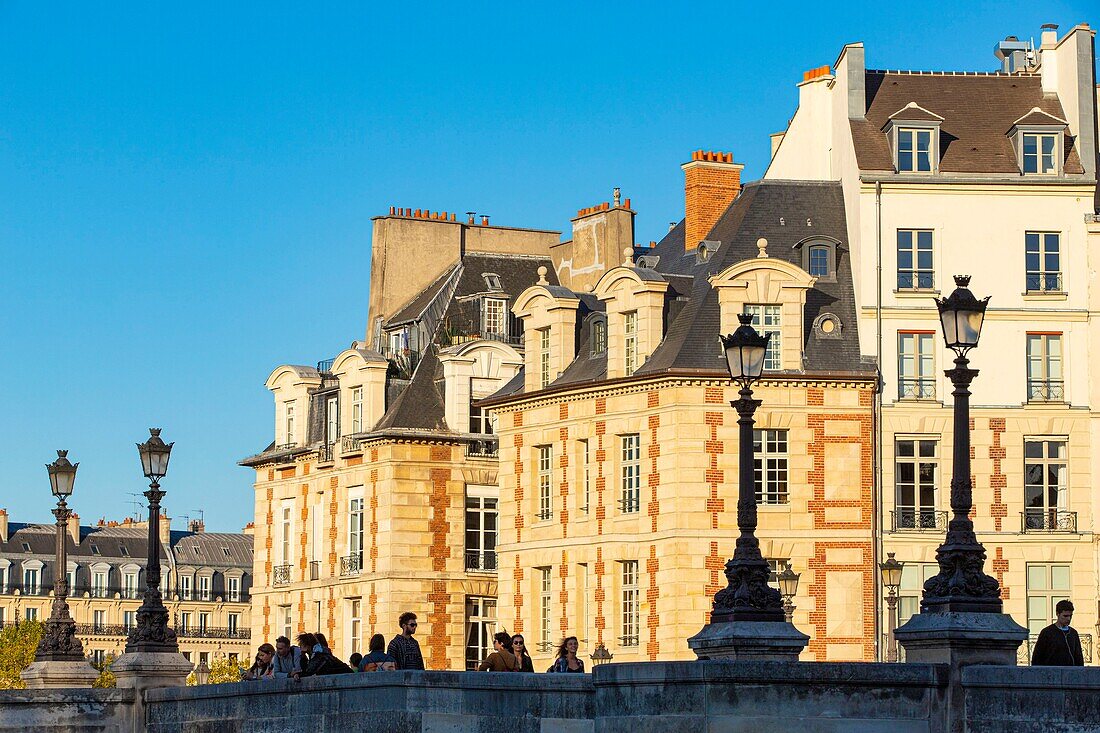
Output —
(312, 655)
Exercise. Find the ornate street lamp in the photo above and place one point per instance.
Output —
(961, 584)
(747, 597)
(59, 642)
(788, 588)
(600, 655)
(151, 633)
(891, 571)
(202, 673)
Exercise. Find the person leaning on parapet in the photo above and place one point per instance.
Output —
(287, 659)
(567, 659)
(404, 648)
(519, 648)
(261, 668)
(501, 660)
(377, 660)
(1059, 645)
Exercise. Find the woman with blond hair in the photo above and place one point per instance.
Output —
(567, 659)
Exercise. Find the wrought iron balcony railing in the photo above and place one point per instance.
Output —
(484, 448)
(481, 560)
(351, 444)
(213, 632)
(280, 575)
(351, 564)
(917, 519)
(325, 366)
(916, 388)
(916, 279)
(544, 514)
(102, 629)
(630, 504)
(1046, 390)
(1023, 653)
(1044, 282)
(325, 453)
(629, 640)
(1048, 520)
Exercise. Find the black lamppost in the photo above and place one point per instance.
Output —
(961, 585)
(891, 571)
(747, 597)
(59, 642)
(152, 634)
(788, 588)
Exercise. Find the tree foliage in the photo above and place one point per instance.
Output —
(106, 677)
(18, 643)
(221, 672)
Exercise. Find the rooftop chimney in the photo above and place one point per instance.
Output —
(74, 528)
(1049, 34)
(165, 527)
(484, 220)
(3, 525)
(1012, 53)
(711, 182)
(196, 526)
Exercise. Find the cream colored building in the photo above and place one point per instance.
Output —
(993, 175)
(206, 583)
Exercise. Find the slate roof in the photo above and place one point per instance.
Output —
(209, 549)
(978, 111)
(414, 309)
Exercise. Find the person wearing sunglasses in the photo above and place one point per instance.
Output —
(403, 647)
(519, 649)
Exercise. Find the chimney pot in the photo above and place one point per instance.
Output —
(484, 220)
(393, 210)
(626, 204)
(711, 182)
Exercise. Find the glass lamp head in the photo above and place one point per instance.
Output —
(891, 571)
(600, 655)
(745, 350)
(154, 455)
(961, 316)
(788, 583)
(62, 475)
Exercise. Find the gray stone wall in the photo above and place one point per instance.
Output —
(1032, 699)
(68, 711)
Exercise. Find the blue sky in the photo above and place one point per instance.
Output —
(186, 190)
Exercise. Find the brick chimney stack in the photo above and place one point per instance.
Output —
(165, 527)
(196, 526)
(74, 528)
(711, 182)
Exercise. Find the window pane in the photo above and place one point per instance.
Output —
(1059, 578)
(905, 161)
(1037, 577)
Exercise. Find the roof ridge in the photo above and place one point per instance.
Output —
(913, 72)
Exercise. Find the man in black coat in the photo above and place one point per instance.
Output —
(1059, 645)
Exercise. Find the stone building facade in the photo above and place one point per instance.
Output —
(206, 583)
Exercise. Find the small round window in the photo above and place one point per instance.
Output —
(827, 325)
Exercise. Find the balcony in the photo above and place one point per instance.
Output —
(351, 565)
(917, 519)
(325, 453)
(484, 561)
(213, 632)
(629, 640)
(351, 444)
(1044, 282)
(1048, 520)
(916, 279)
(483, 448)
(102, 630)
(916, 388)
(630, 504)
(1023, 653)
(325, 366)
(280, 575)
(1046, 390)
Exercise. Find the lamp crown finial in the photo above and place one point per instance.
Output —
(154, 432)
(745, 319)
(962, 281)
(62, 453)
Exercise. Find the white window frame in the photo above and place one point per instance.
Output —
(545, 479)
(99, 620)
(1039, 276)
(481, 621)
(129, 620)
(916, 365)
(355, 625)
(1045, 474)
(1045, 374)
(356, 410)
(204, 621)
(586, 475)
(631, 604)
(233, 588)
(356, 527)
(481, 535)
(933, 148)
(130, 585)
(332, 419)
(545, 597)
(287, 531)
(1039, 156)
(289, 423)
(31, 613)
(771, 465)
(544, 357)
(767, 318)
(630, 500)
(920, 247)
(203, 589)
(185, 621)
(1047, 583)
(100, 583)
(921, 454)
(185, 587)
(913, 577)
(287, 620)
(494, 318)
(233, 623)
(32, 581)
(630, 342)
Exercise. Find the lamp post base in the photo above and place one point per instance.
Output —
(54, 674)
(775, 641)
(147, 670)
(961, 639)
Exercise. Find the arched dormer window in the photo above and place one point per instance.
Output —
(598, 338)
(819, 258)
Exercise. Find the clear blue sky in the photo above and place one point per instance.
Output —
(186, 191)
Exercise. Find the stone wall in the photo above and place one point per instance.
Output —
(1032, 699)
(68, 711)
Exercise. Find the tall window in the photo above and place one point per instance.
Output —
(357, 409)
(916, 473)
(770, 466)
(332, 419)
(599, 336)
(916, 365)
(481, 420)
(630, 341)
(481, 619)
(768, 319)
(481, 529)
(30, 582)
(586, 474)
(129, 585)
(583, 608)
(204, 622)
(99, 584)
(129, 620)
(31, 614)
(545, 467)
(494, 320)
(185, 621)
(185, 587)
(355, 621)
(1046, 484)
(4, 581)
(355, 532)
(631, 473)
(915, 270)
(545, 590)
(204, 587)
(286, 535)
(1046, 585)
(544, 356)
(913, 577)
(1044, 367)
(631, 618)
(99, 621)
(819, 260)
(288, 417)
(1043, 261)
(233, 623)
(286, 618)
(2, 618)
(914, 150)
(234, 588)
(1040, 153)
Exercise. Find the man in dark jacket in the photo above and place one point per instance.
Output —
(404, 648)
(1059, 645)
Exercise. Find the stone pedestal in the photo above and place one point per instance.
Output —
(147, 670)
(54, 674)
(776, 641)
(961, 639)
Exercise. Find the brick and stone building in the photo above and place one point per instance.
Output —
(206, 583)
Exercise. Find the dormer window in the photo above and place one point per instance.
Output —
(818, 255)
(705, 250)
(599, 336)
(819, 258)
(1040, 153)
(494, 318)
(630, 341)
(492, 281)
(915, 149)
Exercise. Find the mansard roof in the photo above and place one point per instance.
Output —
(978, 110)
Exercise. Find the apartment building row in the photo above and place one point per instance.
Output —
(535, 434)
(206, 582)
